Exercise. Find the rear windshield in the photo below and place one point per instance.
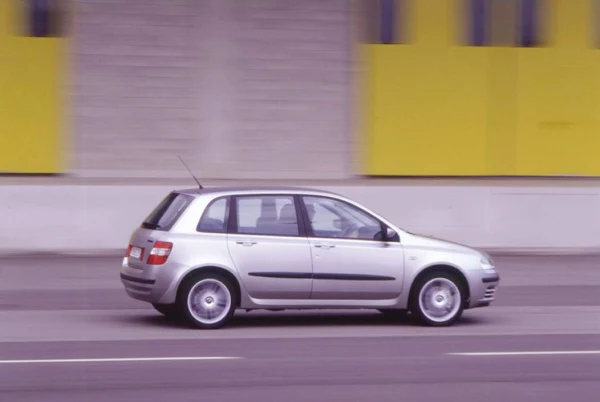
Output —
(167, 212)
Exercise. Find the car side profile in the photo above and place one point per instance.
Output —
(203, 253)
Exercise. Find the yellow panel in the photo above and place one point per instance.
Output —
(4, 29)
(31, 101)
(435, 22)
(572, 23)
(557, 123)
(427, 110)
(435, 108)
(558, 98)
(502, 111)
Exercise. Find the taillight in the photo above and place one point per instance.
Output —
(160, 253)
(128, 252)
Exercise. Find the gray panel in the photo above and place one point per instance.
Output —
(240, 89)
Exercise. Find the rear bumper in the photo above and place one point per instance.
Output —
(152, 284)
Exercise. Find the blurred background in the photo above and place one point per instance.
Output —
(473, 120)
(312, 89)
(476, 121)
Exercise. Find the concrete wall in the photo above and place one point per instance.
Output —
(240, 88)
(96, 217)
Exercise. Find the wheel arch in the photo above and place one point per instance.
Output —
(214, 269)
(447, 268)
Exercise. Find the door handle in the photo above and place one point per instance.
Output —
(325, 246)
(246, 243)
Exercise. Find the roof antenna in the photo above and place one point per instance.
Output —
(186, 166)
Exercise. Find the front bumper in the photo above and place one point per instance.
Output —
(483, 287)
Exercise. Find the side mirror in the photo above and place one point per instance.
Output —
(390, 234)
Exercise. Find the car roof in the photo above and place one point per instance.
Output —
(237, 190)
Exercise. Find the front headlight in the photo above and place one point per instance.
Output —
(486, 263)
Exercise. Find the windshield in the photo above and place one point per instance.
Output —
(167, 212)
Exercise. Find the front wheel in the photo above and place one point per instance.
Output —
(207, 301)
(437, 299)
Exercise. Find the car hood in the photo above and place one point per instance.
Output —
(429, 241)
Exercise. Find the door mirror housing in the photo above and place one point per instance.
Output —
(391, 235)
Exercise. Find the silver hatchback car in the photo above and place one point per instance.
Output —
(203, 253)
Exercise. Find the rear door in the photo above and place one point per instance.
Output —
(269, 247)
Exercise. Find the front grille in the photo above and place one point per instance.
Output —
(490, 292)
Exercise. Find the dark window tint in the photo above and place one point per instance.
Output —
(167, 212)
(388, 23)
(513, 23)
(529, 23)
(480, 14)
(267, 215)
(43, 17)
(214, 218)
(385, 21)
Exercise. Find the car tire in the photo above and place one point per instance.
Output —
(437, 299)
(207, 301)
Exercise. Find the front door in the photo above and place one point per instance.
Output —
(351, 261)
(270, 251)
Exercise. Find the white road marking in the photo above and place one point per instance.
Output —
(120, 359)
(530, 353)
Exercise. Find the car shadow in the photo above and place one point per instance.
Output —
(289, 318)
(316, 319)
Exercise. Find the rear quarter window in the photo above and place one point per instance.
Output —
(164, 216)
(215, 217)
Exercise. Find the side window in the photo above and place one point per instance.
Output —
(331, 218)
(214, 218)
(267, 215)
(323, 220)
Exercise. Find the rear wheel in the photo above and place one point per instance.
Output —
(437, 299)
(207, 301)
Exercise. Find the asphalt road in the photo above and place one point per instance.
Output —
(69, 333)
